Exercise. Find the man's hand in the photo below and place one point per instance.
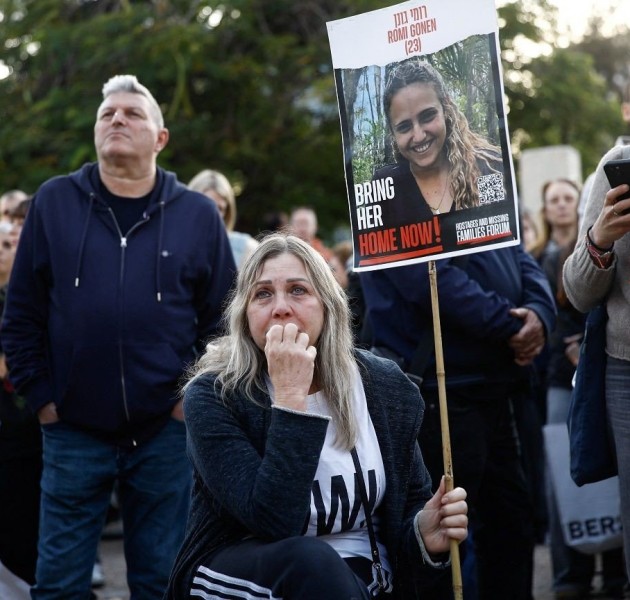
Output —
(530, 340)
(47, 414)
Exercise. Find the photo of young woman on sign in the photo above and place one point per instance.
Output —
(441, 164)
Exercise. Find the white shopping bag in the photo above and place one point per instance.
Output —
(591, 514)
(11, 586)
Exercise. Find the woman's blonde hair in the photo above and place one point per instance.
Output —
(210, 180)
(239, 364)
(464, 147)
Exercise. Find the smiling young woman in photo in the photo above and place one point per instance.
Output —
(439, 159)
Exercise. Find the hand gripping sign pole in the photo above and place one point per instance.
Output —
(446, 438)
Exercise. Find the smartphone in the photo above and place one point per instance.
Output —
(618, 173)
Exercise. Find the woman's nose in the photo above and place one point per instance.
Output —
(418, 132)
(280, 305)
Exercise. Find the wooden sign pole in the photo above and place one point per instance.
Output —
(446, 438)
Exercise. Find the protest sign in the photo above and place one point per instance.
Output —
(426, 149)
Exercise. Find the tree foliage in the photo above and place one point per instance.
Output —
(609, 54)
(246, 87)
(565, 103)
(565, 96)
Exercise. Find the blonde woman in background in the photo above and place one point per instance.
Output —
(216, 186)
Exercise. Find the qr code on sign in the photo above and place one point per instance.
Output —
(490, 188)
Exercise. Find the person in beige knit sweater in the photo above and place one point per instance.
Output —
(598, 271)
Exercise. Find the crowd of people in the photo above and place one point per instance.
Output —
(268, 418)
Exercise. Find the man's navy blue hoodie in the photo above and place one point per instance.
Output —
(103, 322)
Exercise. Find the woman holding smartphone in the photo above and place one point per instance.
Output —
(599, 271)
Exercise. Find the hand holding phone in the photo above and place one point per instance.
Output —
(611, 225)
(618, 173)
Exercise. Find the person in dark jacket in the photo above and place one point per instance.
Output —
(119, 279)
(275, 410)
(496, 309)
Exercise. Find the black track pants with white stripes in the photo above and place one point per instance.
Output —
(297, 568)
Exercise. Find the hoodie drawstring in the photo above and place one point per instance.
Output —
(83, 239)
(158, 283)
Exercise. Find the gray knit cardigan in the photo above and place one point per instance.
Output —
(586, 285)
(254, 467)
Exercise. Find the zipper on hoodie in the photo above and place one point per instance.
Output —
(123, 247)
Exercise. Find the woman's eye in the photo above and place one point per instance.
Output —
(403, 127)
(261, 294)
(427, 116)
(298, 290)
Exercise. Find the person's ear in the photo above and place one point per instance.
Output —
(625, 111)
(162, 140)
